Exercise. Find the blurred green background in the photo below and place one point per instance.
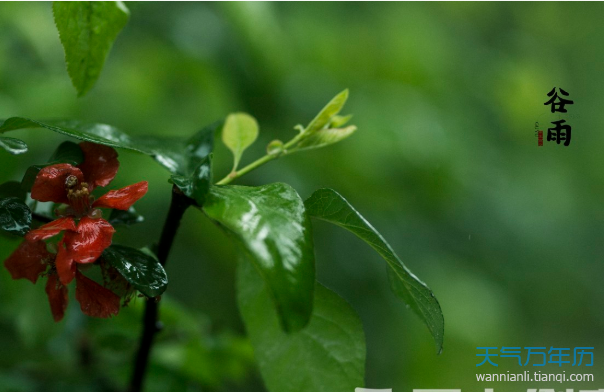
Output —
(445, 164)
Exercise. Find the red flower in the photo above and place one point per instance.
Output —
(29, 261)
(32, 259)
(86, 233)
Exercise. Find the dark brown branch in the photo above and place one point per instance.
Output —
(151, 323)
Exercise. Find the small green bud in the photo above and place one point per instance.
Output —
(275, 147)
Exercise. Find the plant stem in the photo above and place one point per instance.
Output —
(257, 163)
(261, 161)
(151, 323)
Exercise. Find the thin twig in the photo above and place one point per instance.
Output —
(151, 323)
(287, 149)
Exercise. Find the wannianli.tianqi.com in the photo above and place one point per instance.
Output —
(533, 376)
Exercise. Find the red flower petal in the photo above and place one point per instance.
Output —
(66, 267)
(94, 299)
(100, 164)
(57, 296)
(50, 182)
(28, 261)
(124, 198)
(92, 237)
(51, 229)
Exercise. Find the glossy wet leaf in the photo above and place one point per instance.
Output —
(327, 113)
(271, 224)
(198, 148)
(15, 216)
(197, 185)
(328, 205)
(326, 356)
(325, 137)
(12, 145)
(178, 155)
(239, 132)
(12, 189)
(142, 270)
(95, 133)
(126, 218)
(87, 30)
(196, 181)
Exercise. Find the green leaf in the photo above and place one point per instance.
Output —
(239, 132)
(126, 218)
(95, 133)
(15, 216)
(67, 152)
(271, 223)
(339, 121)
(327, 113)
(328, 205)
(198, 178)
(325, 137)
(87, 30)
(198, 184)
(178, 155)
(326, 356)
(193, 350)
(30, 177)
(199, 147)
(12, 145)
(12, 189)
(142, 270)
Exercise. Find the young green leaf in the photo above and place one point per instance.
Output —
(271, 224)
(327, 113)
(275, 147)
(12, 145)
(325, 137)
(143, 271)
(15, 216)
(338, 121)
(239, 132)
(326, 356)
(87, 30)
(328, 205)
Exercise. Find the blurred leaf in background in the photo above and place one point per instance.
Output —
(87, 30)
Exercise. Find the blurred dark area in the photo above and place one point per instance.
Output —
(445, 165)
